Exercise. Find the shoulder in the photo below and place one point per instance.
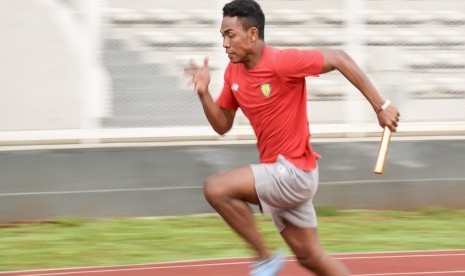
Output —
(292, 63)
(297, 53)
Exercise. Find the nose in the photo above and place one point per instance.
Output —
(225, 43)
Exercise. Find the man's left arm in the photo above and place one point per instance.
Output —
(388, 114)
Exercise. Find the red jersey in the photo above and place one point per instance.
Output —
(273, 96)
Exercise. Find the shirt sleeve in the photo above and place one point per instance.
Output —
(226, 99)
(297, 64)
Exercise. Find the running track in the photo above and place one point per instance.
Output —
(424, 263)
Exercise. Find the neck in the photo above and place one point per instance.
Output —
(255, 56)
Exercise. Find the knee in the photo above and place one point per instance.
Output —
(212, 189)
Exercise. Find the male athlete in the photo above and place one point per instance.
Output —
(268, 84)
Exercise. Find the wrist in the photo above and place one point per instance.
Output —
(383, 106)
(203, 95)
(201, 92)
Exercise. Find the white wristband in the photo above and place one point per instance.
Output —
(385, 104)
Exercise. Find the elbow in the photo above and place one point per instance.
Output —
(335, 60)
(221, 130)
(342, 53)
(224, 126)
(223, 123)
(344, 63)
(341, 58)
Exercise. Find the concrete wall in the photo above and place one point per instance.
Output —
(167, 180)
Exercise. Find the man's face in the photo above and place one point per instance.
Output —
(236, 40)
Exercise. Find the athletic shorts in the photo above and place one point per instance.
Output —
(286, 192)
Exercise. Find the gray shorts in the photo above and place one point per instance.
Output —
(286, 192)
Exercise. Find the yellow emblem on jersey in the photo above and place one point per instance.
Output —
(266, 89)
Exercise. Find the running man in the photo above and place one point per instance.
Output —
(268, 85)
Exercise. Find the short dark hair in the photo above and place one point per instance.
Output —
(249, 12)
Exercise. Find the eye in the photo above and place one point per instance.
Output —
(229, 34)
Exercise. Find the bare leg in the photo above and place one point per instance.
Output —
(228, 193)
(306, 246)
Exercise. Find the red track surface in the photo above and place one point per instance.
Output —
(425, 263)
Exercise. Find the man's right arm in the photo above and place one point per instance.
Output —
(219, 118)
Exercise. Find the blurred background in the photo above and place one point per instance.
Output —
(80, 72)
(118, 64)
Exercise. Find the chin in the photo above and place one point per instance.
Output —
(235, 60)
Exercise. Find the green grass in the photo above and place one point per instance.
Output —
(79, 242)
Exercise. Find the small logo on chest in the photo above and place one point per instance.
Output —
(266, 89)
(235, 87)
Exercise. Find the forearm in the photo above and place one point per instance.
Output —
(360, 80)
(215, 114)
(220, 119)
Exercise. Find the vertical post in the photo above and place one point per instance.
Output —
(96, 82)
(219, 54)
(355, 11)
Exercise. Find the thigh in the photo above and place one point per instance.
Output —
(286, 192)
(236, 183)
(284, 186)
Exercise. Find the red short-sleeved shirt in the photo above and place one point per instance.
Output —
(273, 96)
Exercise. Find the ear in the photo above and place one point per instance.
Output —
(253, 34)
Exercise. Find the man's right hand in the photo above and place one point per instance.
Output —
(200, 77)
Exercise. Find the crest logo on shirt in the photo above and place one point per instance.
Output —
(235, 87)
(266, 89)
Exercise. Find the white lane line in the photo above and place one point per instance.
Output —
(99, 191)
(134, 268)
(173, 265)
(393, 180)
(375, 254)
(414, 273)
(372, 274)
(435, 252)
(398, 256)
(224, 264)
(199, 187)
